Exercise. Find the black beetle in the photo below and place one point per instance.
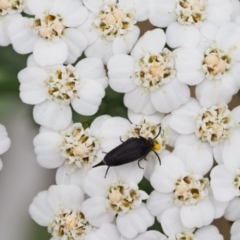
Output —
(135, 148)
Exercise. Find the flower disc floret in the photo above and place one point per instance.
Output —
(62, 84)
(78, 147)
(191, 11)
(214, 124)
(48, 25)
(152, 71)
(216, 63)
(69, 225)
(190, 190)
(123, 197)
(182, 236)
(11, 6)
(112, 21)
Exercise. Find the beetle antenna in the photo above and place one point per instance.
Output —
(106, 172)
(139, 163)
(158, 157)
(160, 129)
(121, 139)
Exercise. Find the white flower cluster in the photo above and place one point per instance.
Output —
(199, 47)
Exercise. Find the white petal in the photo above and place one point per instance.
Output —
(92, 68)
(142, 9)
(137, 100)
(232, 212)
(209, 232)
(76, 44)
(5, 141)
(165, 176)
(197, 160)
(50, 53)
(170, 96)
(101, 49)
(152, 41)
(72, 12)
(158, 202)
(97, 125)
(182, 36)
(65, 196)
(209, 30)
(235, 233)
(68, 175)
(40, 210)
(155, 118)
(124, 44)
(183, 119)
(31, 62)
(137, 222)
(171, 221)
(95, 211)
(236, 114)
(151, 235)
(95, 5)
(21, 35)
(236, 73)
(219, 207)
(162, 12)
(217, 152)
(52, 115)
(96, 184)
(199, 215)
(222, 178)
(1, 164)
(32, 89)
(90, 97)
(47, 148)
(120, 70)
(38, 7)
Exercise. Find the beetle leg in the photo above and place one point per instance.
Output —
(105, 152)
(139, 163)
(121, 139)
(106, 172)
(158, 157)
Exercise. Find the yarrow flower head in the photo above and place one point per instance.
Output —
(188, 20)
(51, 35)
(111, 28)
(117, 196)
(9, 11)
(213, 129)
(53, 89)
(74, 150)
(60, 210)
(147, 77)
(5, 142)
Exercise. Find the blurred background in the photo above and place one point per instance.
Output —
(21, 177)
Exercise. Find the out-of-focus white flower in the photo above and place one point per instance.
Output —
(232, 212)
(75, 150)
(5, 142)
(235, 230)
(187, 20)
(141, 125)
(147, 77)
(51, 35)
(180, 182)
(117, 196)
(214, 129)
(215, 66)
(60, 210)
(9, 11)
(110, 27)
(53, 89)
(236, 9)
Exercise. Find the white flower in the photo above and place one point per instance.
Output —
(5, 142)
(117, 194)
(187, 20)
(236, 9)
(180, 182)
(142, 125)
(214, 129)
(232, 212)
(110, 27)
(60, 210)
(51, 35)
(214, 67)
(235, 230)
(75, 150)
(53, 89)
(147, 77)
(9, 11)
